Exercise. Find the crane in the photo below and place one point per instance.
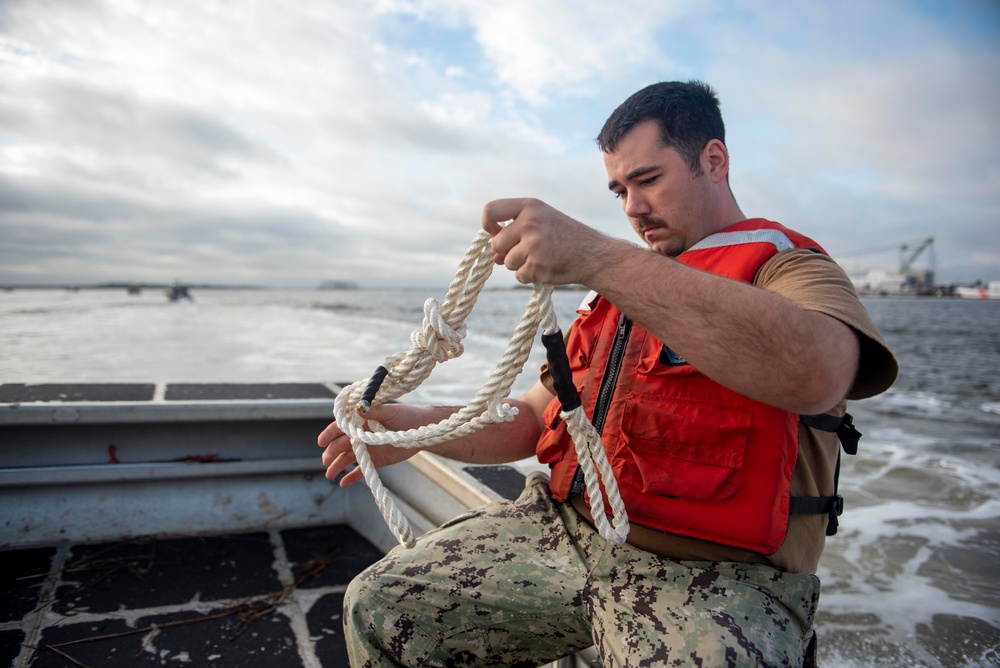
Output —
(906, 261)
(924, 279)
(907, 279)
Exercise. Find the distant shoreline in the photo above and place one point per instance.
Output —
(946, 292)
(9, 287)
(126, 286)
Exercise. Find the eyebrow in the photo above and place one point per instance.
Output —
(635, 173)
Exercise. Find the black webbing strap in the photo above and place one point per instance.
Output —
(818, 505)
(559, 371)
(831, 505)
(843, 426)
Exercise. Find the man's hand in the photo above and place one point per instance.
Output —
(339, 455)
(498, 443)
(541, 244)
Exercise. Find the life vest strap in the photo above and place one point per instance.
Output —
(833, 506)
(843, 426)
(817, 505)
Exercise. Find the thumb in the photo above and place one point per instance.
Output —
(382, 413)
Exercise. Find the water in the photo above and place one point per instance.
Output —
(913, 577)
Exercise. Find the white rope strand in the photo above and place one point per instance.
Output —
(439, 340)
(593, 460)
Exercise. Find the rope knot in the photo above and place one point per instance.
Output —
(501, 412)
(441, 341)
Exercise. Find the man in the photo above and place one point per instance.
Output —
(697, 362)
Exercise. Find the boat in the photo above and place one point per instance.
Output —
(338, 285)
(177, 292)
(193, 522)
(989, 291)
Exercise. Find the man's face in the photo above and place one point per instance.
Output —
(668, 206)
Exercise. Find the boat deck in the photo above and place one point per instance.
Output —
(186, 524)
(269, 598)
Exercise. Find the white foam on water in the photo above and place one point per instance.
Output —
(923, 404)
(914, 516)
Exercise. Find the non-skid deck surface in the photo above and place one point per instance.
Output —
(258, 599)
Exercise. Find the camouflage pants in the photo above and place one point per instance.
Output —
(526, 582)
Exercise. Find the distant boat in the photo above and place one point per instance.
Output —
(989, 291)
(178, 292)
(338, 285)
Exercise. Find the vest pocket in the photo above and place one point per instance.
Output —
(682, 448)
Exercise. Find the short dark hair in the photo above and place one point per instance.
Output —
(687, 112)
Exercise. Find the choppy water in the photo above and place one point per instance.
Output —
(913, 577)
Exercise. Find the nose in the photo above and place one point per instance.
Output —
(635, 204)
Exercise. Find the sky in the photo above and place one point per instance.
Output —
(289, 143)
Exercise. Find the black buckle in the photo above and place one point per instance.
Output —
(849, 435)
(836, 509)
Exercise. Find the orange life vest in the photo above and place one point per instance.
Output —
(691, 457)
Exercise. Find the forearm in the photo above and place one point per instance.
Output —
(494, 444)
(743, 337)
(497, 443)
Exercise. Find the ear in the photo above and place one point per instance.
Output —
(715, 160)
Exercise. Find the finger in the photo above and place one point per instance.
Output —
(499, 211)
(330, 454)
(347, 479)
(328, 435)
(339, 462)
(351, 478)
(336, 467)
(336, 459)
(515, 259)
(382, 412)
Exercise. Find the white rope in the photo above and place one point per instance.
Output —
(441, 340)
(593, 460)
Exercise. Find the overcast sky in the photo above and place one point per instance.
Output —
(287, 143)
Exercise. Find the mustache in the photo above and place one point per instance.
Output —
(646, 222)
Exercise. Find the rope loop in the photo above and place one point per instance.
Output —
(439, 340)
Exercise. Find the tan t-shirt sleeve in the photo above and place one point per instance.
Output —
(816, 283)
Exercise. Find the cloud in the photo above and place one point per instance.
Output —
(876, 139)
(300, 142)
(541, 49)
(156, 240)
(64, 116)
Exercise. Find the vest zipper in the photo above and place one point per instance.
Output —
(608, 383)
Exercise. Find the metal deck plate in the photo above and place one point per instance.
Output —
(209, 597)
